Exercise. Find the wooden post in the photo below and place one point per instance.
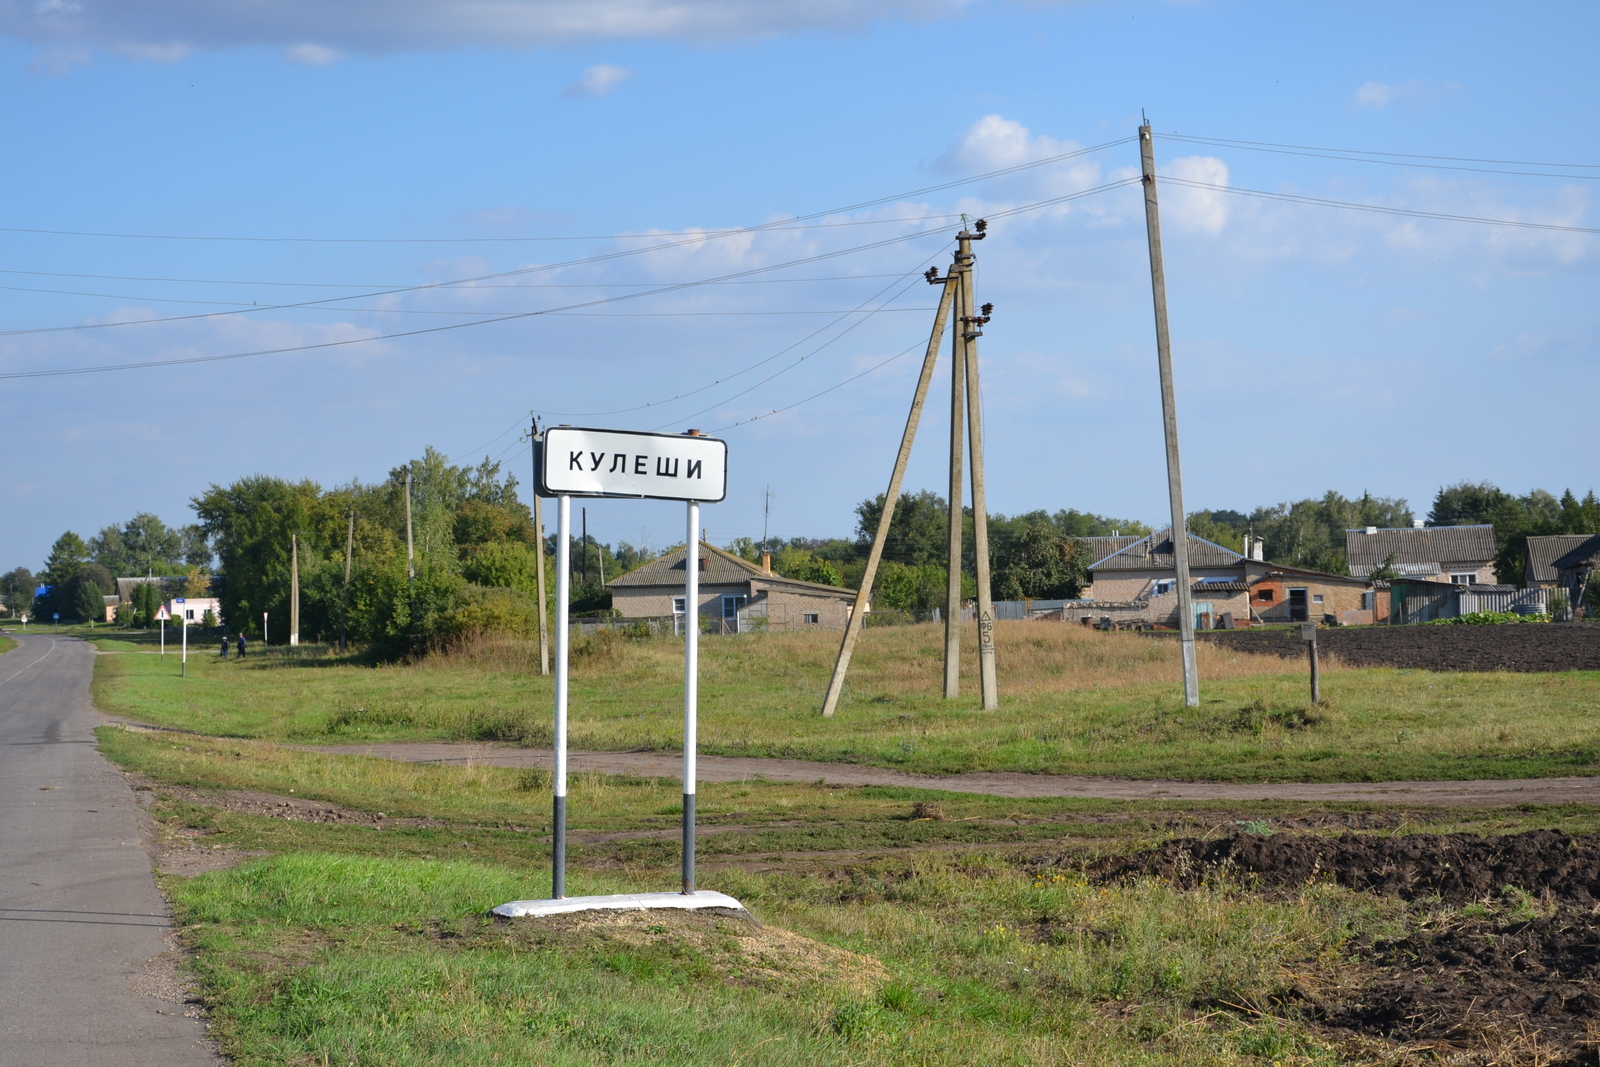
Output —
(852, 629)
(1169, 419)
(970, 330)
(958, 389)
(1316, 674)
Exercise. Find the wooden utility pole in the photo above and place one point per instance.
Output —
(411, 564)
(1169, 418)
(971, 328)
(538, 555)
(294, 589)
(958, 390)
(349, 553)
(858, 614)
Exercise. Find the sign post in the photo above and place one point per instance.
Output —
(1308, 634)
(162, 615)
(183, 622)
(622, 464)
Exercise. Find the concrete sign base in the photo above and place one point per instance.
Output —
(704, 898)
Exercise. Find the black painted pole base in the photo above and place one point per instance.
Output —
(688, 843)
(558, 849)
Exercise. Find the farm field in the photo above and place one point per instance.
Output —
(1073, 701)
(335, 909)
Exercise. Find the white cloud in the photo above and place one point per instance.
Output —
(312, 55)
(378, 26)
(54, 62)
(1375, 95)
(598, 80)
(170, 52)
(1197, 209)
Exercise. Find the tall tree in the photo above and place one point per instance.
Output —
(17, 586)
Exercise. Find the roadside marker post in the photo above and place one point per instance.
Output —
(1308, 634)
(183, 620)
(624, 464)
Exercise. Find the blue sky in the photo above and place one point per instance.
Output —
(1314, 347)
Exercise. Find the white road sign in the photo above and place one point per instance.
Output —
(162, 615)
(622, 463)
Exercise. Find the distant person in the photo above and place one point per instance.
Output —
(224, 646)
(241, 644)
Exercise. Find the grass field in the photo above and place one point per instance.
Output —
(1072, 702)
(957, 934)
(6, 645)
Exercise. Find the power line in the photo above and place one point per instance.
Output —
(775, 411)
(397, 285)
(759, 363)
(1355, 153)
(699, 235)
(187, 360)
(1380, 209)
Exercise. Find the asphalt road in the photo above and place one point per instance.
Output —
(79, 912)
(1483, 793)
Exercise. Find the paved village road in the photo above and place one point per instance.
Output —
(79, 912)
(1491, 793)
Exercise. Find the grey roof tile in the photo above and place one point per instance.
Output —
(1416, 547)
(1154, 553)
(1544, 551)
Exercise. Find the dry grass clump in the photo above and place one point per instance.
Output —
(1041, 657)
(736, 949)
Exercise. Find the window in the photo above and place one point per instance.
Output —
(1163, 586)
(811, 618)
(1316, 598)
(188, 613)
(1463, 579)
(1264, 595)
(678, 605)
(731, 606)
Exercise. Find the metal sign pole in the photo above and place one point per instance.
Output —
(558, 815)
(185, 623)
(691, 677)
(163, 637)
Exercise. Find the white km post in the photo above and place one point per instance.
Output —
(623, 464)
(183, 620)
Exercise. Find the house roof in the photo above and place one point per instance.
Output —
(1221, 585)
(1579, 554)
(1282, 570)
(125, 586)
(1101, 547)
(1154, 553)
(1544, 551)
(1419, 549)
(721, 568)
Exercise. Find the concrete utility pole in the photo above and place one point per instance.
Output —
(852, 630)
(1169, 418)
(411, 565)
(538, 554)
(294, 590)
(958, 389)
(971, 329)
(349, 551)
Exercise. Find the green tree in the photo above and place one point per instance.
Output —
(89, 602)
(17, 587)
(66, 556)
(1043, 564)
(142, 545)
(918, 533)
(1310, 533)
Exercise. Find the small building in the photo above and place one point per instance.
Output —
(1293, 594)
(1540, 571)
(194, 608)
(1460, 555)
(736, 596)
(1573, 570)
(1137, 583)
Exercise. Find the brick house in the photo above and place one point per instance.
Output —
(1294, 594)
(735, 595)
(1459, 555)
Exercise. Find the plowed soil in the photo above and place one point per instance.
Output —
(1517, 983)
(1457, 868)
(1527, 647)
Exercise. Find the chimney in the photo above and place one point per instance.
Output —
(1417, 524)
(766, 564)
(1371, 530)
(1258, 550)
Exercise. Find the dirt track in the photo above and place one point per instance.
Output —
(1511, 647)
(1002, 784)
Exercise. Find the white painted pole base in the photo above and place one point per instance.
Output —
(704, 898)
